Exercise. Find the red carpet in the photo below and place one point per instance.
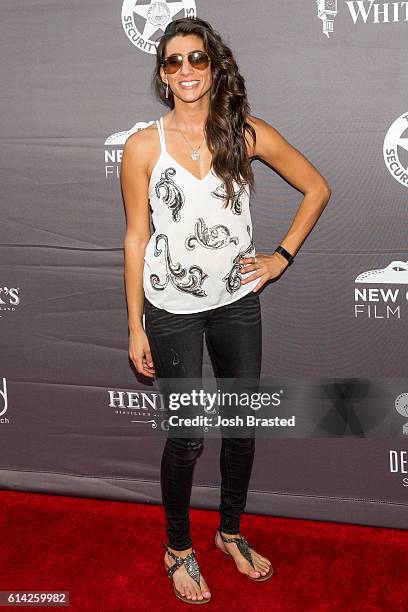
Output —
(109, 556)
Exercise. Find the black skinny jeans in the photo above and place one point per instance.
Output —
(233, 334)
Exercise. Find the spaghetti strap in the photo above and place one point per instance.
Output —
(160, 127)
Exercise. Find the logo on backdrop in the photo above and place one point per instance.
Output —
(401, 406)
(114, 148)
(361, 11)
(144, 22)
(327, 11)
(382, 302)
(395, 149)
(3, 404)
(398, 462)
(144, 409)
(8, 299)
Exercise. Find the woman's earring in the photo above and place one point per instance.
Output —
(167, 89)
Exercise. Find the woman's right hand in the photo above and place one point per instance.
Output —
(139, 353)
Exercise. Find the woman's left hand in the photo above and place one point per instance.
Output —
(265, 266)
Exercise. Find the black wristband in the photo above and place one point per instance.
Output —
(285, 254)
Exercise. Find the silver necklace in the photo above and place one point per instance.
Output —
(195, 152)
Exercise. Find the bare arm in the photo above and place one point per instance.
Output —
(135, 187)
(299, 172)
(134, 182)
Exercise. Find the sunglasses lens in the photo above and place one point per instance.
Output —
(198, 59)
(173, 63)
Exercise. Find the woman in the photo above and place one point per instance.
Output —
(198, 274)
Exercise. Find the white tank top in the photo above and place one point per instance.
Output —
(191, 261)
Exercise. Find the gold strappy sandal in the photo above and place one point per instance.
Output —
(192, 569)
(244, 548)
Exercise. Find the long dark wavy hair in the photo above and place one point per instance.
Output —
(226, 123)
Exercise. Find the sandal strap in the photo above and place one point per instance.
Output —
(189, 561)
(243, 546)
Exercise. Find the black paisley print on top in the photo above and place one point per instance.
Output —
(215, 237)
(221, 194)
(233, 279)
(176, 273)
(173, 195)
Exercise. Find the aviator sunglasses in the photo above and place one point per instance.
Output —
(198, 59)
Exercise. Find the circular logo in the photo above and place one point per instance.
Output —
(144, 24)
(401, 404)
(395, 149)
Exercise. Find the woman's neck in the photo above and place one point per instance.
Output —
(189, 120)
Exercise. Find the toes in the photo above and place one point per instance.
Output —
(263, 568)
(249, 570)
(199, 596)
(204, 591)
(262, 564)
(188, 592)
(265, 560)
(199, 593)
(193, 594)
(260, 567)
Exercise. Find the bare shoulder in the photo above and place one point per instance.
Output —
(257, 122)
(260, 126)
(266, 135)
(139, 142)
(135, 159)
(142, 148)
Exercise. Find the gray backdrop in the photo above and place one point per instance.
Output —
(74, 416)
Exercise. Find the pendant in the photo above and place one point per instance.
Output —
(195, 154)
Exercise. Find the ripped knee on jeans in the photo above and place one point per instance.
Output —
(176, 359)
(187, 444)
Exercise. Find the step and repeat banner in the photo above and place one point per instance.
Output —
(75, 416)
